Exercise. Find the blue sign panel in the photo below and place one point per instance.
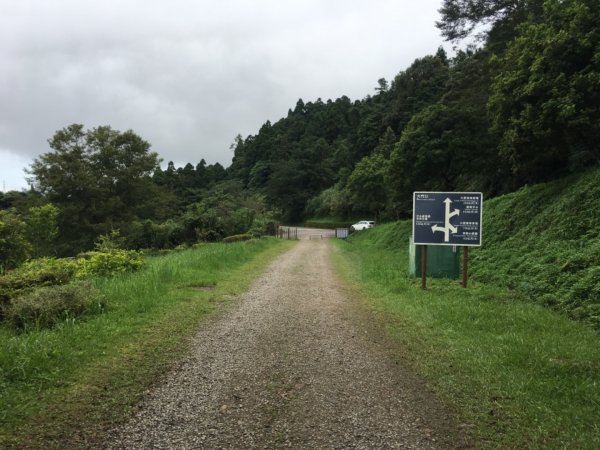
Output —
(447, 218)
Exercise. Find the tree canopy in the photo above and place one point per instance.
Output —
(100, 179)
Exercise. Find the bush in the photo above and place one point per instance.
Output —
(238, 238)
(48, 306)
(108, 263)
(36, 273)
(207, 235)
(147, 234)
(263, 226)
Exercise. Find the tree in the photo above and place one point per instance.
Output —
(367, 187)
(382, 86)
(440, 149)
(415, 88)
(545, 102)
(100, 179)
(42, 229)
(461, 17)
(225, 210)
(14, 247)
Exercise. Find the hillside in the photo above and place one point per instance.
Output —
(541, 242)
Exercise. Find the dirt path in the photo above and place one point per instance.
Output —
(289, 366)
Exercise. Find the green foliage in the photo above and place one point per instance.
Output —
(367, 188)
(237, 238)
(545, 99)
(36, 273)
(150, 235)
(441, 149)
(543, 242)
(108, 263)
(460, 18)
(99, 179)
(183, 186)
(50, 306)
(14, 247)
(110, 242)
(419, 86)
(263, 225)
(330, 202)
(226, 210)
(42, 229)
(21, 201)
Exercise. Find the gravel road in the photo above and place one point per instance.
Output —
(295, 364)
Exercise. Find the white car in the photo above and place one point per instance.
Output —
(363, 225)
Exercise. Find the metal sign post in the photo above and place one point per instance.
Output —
(423, 267)
(447, 218)
(465, 266)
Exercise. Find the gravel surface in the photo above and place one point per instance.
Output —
(294, 364)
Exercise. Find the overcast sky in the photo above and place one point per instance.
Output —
(188, 76)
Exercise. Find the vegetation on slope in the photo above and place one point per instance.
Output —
(543, 243)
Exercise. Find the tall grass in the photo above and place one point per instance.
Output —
(52, 380)
(519, 375)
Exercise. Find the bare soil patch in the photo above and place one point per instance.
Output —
(294, 364)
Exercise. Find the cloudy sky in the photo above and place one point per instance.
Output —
(189, 75)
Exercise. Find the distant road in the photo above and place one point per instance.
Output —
(315, 233)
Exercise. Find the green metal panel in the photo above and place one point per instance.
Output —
(442, 261)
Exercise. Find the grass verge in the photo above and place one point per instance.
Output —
(63, 388)
(518, 375)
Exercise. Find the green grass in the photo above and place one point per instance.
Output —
(518, 375)
(62, 387)
(543, 243)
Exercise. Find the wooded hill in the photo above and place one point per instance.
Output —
(521, 108)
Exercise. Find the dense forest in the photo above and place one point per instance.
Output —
(519, 107)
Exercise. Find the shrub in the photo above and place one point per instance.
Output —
(36, 273)
(238, 238)
(48, 306)
(108, 263)
(263, 226)
(207, 235)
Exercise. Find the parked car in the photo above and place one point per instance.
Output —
(363, 225)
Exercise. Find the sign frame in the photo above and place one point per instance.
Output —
(439, 205)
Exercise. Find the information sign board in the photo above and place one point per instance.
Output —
(447, 218)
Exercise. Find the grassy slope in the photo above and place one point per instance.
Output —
(59, 388)
(520, 375)
(543, 242)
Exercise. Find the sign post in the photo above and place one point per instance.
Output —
(447, 218)
(465, 266)
(423, 267)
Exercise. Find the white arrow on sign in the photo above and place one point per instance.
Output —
(448, 227)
